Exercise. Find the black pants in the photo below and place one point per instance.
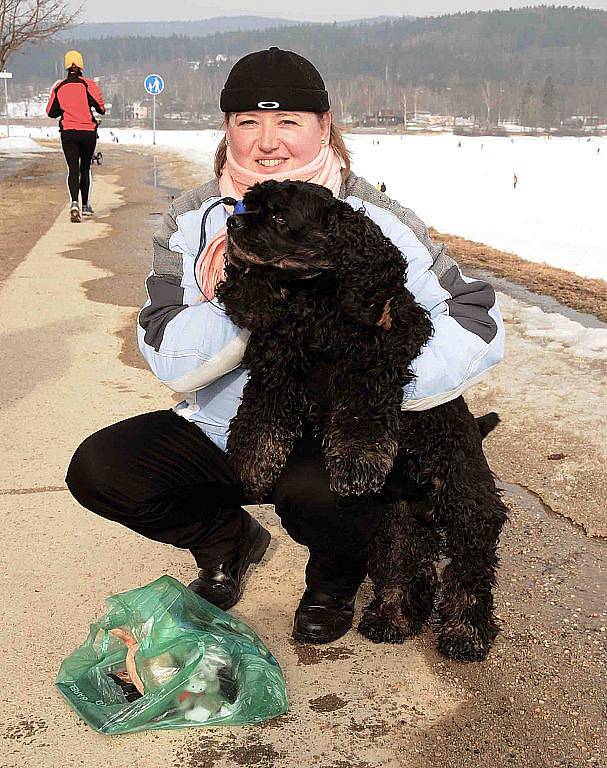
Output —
(162, 477)
(79, 148)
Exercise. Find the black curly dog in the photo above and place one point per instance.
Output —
(322, 291)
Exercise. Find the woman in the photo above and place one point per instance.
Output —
(72, 101)
(165, 474)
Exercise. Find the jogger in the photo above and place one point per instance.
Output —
(72, 101)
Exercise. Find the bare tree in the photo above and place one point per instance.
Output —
(26, 21)
(488, 99)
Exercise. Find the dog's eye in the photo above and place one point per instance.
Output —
(278, 219)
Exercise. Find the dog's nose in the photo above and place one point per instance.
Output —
(234, 222)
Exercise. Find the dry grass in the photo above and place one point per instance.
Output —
(582, 293)
(28, 207)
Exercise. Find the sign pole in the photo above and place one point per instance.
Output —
(154, 85)
(8, 128)
(4, 75)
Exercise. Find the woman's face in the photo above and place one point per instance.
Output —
(271, 142)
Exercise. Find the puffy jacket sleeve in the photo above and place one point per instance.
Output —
(188, 344)
(468, 337)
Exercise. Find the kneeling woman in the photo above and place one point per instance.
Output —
(165, 474)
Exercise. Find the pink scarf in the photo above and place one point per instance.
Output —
(234, 181)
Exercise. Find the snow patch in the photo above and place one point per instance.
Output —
(559, 333)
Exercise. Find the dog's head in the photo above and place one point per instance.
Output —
(292, 232)
(283, 230)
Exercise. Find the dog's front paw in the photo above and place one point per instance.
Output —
(466, 641)
(356, 470)
(261, 461)
(258, 481)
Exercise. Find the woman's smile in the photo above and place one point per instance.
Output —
(271, 162)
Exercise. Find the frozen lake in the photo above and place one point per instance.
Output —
(555, 215)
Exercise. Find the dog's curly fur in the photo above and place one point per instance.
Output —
(322, 291)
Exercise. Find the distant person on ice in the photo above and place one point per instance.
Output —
(72, 100)
(514, 181)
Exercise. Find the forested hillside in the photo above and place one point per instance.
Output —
(536, 65)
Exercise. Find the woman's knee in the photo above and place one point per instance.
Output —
(314, 516)
(86, 477)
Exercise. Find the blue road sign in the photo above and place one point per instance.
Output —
(154, 84)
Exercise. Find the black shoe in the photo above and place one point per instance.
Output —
(322, 618)
(222, 584)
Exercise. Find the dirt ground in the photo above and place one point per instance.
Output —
(36, 193)
(67, 315)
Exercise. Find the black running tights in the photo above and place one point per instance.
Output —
(79, 148)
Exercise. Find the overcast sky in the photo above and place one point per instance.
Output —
(312, 10)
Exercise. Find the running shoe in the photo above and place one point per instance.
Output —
(75, 212)
(87, 210)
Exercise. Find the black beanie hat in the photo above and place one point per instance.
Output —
(274, 79)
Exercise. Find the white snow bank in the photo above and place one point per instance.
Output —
(555, 215)
(556, 331)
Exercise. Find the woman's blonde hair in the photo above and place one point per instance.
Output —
(336, 141)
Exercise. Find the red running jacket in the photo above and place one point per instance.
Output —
(72, 100)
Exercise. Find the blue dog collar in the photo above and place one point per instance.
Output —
(240, 207)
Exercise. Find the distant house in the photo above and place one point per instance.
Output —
(216, 61)
(583, 121)
(382, 118)
(137, 111)
(386, 118)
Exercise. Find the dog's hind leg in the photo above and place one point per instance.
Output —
(474, 516)
(403, 572)
(447, 444)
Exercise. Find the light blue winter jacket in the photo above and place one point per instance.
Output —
(195, 349)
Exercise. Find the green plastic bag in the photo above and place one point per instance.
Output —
(163, 657)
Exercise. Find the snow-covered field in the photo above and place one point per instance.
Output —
(555, 215)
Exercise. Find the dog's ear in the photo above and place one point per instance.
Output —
(249, 299)
(370, 269)
(318, 189)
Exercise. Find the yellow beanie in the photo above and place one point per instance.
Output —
(73, 58)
